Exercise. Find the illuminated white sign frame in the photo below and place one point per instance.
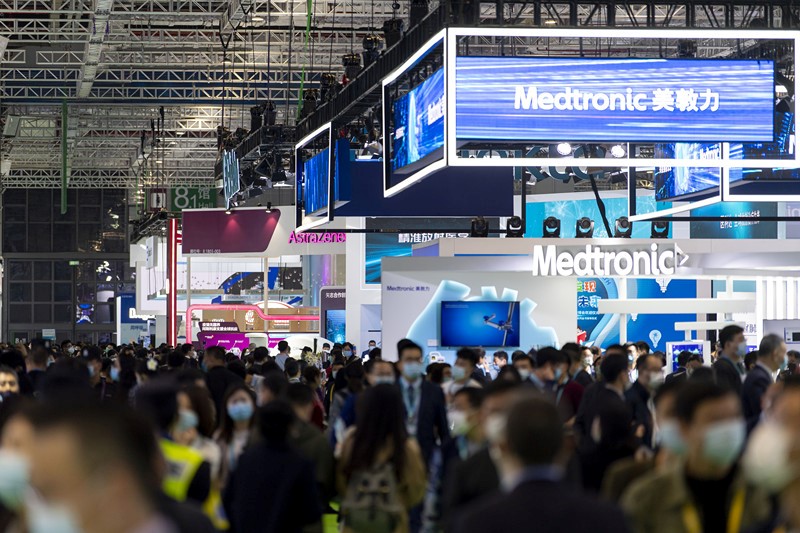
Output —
(415, 177)
(321, 217)
(594, 261)
(451, 149)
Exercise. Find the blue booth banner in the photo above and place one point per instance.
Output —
(550, 99)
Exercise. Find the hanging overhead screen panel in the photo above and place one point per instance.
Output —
(551, 99)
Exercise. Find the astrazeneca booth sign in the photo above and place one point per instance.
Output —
(454, 97)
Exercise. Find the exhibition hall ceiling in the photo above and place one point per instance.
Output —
(120, 65)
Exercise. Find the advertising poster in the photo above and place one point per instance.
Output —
(410, 231)
(131, 326)
(332, 309)
(603, 329)
(734, 227)
(540, 99)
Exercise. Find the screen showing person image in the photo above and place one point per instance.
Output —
(480, 323)
(419, 122)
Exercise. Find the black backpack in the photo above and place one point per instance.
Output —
(371, 504)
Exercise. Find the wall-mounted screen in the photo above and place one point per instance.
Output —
(480, 323)
(419, 124)
(315, 182)
(335, 325)
(677, 182)
(582, 99)
(674, 349)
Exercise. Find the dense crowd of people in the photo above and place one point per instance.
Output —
(125, 439)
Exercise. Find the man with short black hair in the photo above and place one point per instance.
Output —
(771, 360)
(465, 365)
(547, 369)
(371, 345)
(682, 373)
(729, 367)
(528, 447)
(639, 396)
(218, 377)
(283, 354)
(9, 382)
(175, 360)
(577, 372)
(292, 370)
(611, 390)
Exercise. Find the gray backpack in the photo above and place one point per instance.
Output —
(371, 504)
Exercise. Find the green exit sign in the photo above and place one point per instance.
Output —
(191, 198)
(74, 263)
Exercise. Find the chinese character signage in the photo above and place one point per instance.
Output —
(546, 99)
(191, 198)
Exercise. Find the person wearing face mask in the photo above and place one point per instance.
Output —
(218, 378)
(771, 360)
(524, 364)
(465, 365)
(772, 459)
(611, 390)
(330, 386)
(469, 480)
(528, 451)
(670, 446)
(682, 372)
(729, 367)
(640, 394)
(424, 403)
(371, 345)
(236, 426)
(706, 490)
(104, 388)
(568, 392)
(377, 373)
(349, 352)
(579, 360)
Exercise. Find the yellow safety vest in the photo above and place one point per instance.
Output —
(182, 465)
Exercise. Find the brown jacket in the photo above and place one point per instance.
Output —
(655, 503)
(412, 483)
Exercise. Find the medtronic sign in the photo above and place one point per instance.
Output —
(598, 261)
(550, 99)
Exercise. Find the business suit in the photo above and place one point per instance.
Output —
(637, 397)
(583, 378)
(544, 507)
(755, 385)
(681, 375)
(466, 482)
(595, 397)
(728, 374)
(431, 417)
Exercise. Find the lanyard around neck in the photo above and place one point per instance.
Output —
(691, 518)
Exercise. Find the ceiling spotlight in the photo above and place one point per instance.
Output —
(515, 227)
(551, 228)
(659, 229)
(564, 148)
(623, 228)
(257, 18)
(550, 22)
(584, 228)
(479, 228)
(617, 151)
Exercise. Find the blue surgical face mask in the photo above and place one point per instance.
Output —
(114, 373)
(784, 363)
(741, 349)
(670, 438)
(383, 380)
(240, 411)
(459, 373)
(186, 420)
(91, 370)
(412, 370)
(13, 480)
(723, 442)
(557, 373)
(347, 353)
(524, 373)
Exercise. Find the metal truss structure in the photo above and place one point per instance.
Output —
(117, 63)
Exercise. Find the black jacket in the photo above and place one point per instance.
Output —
(467, 482)
(755, 385)
(544, 507)
(595, 397)
(728, 375)
(681, 375)
(272, 490)
(186, 517)
(637, 397)
(583, 378)
(218, 380)
(432, 424)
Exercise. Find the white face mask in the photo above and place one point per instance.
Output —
(48, 518)
(723, 442)
(766, 461)
(459, 425)
(14, 479)
(494, 427)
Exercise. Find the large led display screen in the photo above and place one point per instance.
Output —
(315, 177)
(419, 122)
(782, 147)
(578, 99)
(488, 324)
(675, 182)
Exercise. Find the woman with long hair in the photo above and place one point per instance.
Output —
(236, 425)
(381, 440)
